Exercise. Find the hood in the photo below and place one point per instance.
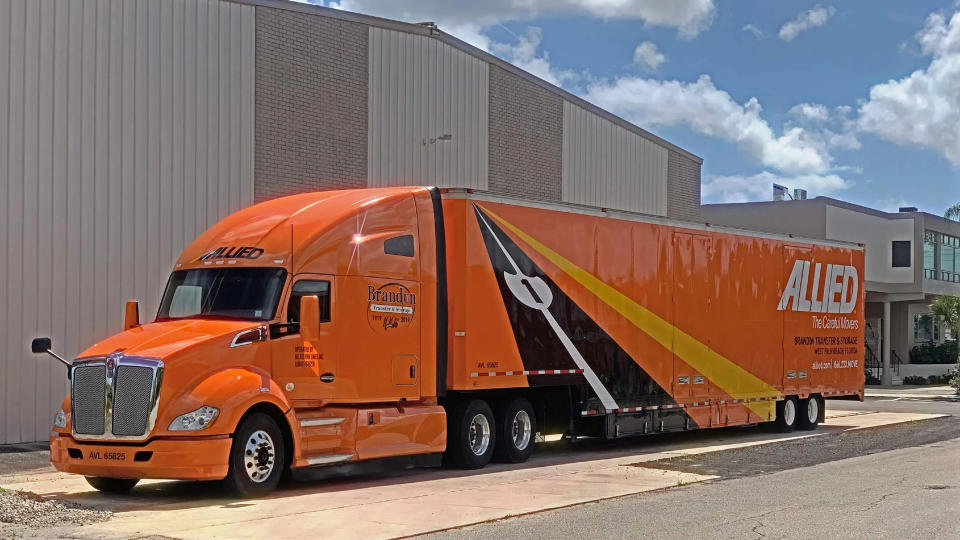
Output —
(164, 338)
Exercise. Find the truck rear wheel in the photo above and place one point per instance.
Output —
(516, 429)
(809, 412)
(112, 485)
(257, 457)
(471, 435)
(786, 414)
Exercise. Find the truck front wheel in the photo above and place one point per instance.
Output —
(471, 435)
(112, 485)
(257, 457)
(516, 429)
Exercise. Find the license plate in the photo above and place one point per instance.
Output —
(106, 456)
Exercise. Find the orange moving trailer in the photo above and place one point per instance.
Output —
(338, 326)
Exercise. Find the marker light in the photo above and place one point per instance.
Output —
(192, 421)
(60, 420)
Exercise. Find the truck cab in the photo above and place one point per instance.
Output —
(295, 332)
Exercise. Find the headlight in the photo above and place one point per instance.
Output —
(195, 420)
(60, 419)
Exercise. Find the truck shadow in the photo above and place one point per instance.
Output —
(384, 473)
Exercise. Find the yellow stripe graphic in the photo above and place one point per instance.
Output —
(731, 378)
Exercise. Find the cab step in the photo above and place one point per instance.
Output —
(329, 459)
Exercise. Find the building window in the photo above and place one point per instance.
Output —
(929, 251)
(901, 254)
(941, 257)
(923, 328)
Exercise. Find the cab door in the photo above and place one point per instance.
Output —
(303, 369)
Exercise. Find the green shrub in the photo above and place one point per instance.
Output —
(931, 353)
(914, 379)
(868, 378)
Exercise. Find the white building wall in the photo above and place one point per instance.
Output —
(126, 129)
(609, 166)
(421, 89)
(877, 234)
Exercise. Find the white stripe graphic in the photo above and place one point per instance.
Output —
(592, 379)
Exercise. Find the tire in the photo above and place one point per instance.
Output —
(112, 485)
(470, 448)
(808, 412)
(787, 413)
(257, 457)
(516, 431)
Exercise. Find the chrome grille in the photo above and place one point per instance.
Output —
(87, 399)
(116, 397)
(131, 403)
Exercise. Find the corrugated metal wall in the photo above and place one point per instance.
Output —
(126, 128)
(606, 165)
(421, 89)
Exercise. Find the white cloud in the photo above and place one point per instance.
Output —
(923, 108)
(688, 17)
(805, 20)
(523, 54)
(891, 204)
(648, 56)
(810, 111)
(759, 187)
(704, 108)
(754, 29)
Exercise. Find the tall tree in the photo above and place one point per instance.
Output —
(947, 309)
(953, 212)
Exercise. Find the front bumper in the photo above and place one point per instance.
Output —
(203, 458)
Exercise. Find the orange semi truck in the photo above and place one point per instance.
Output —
(348, 325)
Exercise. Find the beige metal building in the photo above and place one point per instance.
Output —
(128, 127)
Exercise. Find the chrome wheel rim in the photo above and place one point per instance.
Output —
(479, 434)
(789, 412)
(813, 410)
(521, 430)
(259, 456)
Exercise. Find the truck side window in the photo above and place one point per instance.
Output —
(307, 287)
(399, 245)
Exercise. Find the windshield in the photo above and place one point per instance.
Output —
(231, 293)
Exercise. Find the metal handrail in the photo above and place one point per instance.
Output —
(872, 362)
(896, 362)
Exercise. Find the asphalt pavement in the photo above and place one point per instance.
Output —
(898, 481)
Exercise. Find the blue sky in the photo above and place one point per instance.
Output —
(880, 80)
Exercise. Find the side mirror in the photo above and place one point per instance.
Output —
(131, 317)
(309, 318)
(40, 345)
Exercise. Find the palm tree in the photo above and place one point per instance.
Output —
(947, 309)
(953, 212)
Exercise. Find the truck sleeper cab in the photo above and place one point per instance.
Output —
(338, 326)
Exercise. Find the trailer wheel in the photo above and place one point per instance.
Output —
(112, 485)
(471, 435)
(809, 412)
(257, 457)
(786, 414)
(516, 430)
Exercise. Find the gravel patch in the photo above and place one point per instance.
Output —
(24, 508)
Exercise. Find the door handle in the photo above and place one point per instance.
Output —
(413, 372)
(327, 377)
